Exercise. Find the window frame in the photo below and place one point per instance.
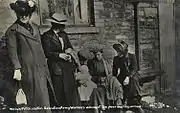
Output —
(90, 8)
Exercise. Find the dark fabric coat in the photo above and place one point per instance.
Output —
(109, 91)
(127, 66)
(93, 69)
(62, 72)
(26, 53)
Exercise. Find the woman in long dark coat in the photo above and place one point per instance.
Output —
(27, 55)
(57, 48)
(126, 71)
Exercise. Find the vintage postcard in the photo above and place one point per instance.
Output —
(89, 56)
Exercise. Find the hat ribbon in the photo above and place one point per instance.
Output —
(58, 20)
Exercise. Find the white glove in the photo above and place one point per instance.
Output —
(119, 71)
(126, 81)
(17, 75)
(64, 56)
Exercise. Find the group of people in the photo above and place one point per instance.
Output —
(52, 74)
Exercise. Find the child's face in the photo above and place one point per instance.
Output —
(84, 69)
(99, 55)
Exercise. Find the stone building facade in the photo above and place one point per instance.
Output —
(102, 23)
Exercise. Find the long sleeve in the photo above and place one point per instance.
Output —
(67, 42)
(90, 67)
(69, 45)
(12, 48)
(114, 69)
(46, 46)
(94, 78)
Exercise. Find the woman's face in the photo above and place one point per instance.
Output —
(120, 51)
(61, 27)
(58, 27)
(24, 19)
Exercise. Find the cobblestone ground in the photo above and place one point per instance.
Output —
(161, 104)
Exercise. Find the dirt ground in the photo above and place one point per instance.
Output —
(162, 103)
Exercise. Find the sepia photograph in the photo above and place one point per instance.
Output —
(89, 56)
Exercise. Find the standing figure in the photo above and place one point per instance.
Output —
(57, 48)
(126, 71)
(27, 55)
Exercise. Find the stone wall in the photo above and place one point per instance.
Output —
(113, 22)
(117, 22)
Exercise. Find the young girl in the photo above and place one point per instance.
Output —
(83, 77)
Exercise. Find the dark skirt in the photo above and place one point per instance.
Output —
(65, 86)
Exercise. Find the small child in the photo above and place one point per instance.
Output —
(83, 76)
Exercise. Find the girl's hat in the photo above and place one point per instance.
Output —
(122, 46)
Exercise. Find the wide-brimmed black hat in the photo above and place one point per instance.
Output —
(122, 46)
(23, 7)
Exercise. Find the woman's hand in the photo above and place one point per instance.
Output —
(126, 81)
(17, 75)
(64, 56)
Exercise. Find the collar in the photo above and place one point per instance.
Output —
(124, 56)
(56, 32)
(23, 24)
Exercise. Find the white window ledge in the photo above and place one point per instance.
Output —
(75, 30)
(82, 30)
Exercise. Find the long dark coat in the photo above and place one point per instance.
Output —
(62, 72)
(128, 67)
(26, 53)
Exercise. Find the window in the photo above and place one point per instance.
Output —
(79, 12)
